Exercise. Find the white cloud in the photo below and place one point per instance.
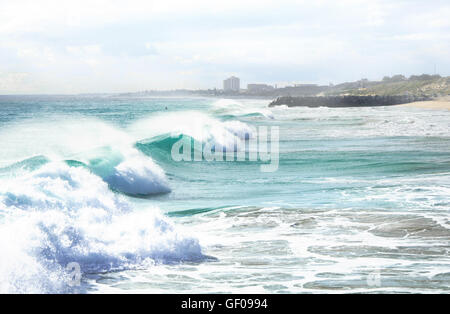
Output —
(99, 45)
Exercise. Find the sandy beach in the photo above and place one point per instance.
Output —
(441, 104)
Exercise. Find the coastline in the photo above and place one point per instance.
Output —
(438, 104)
(345, 101)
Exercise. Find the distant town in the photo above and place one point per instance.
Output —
(397, 85)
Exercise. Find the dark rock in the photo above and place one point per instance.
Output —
(345, 101)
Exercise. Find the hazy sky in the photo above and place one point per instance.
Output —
(115, 46)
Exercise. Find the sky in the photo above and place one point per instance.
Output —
(67, 47)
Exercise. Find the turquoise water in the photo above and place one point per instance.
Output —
(359, 202)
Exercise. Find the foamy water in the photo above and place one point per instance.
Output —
(359, 202)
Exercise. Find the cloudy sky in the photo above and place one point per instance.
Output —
(116, 46)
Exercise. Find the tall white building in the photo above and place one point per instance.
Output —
(231, 84)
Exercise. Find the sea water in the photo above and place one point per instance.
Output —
(359, 201)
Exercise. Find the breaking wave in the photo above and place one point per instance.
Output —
(230, 108)
(63, 188)
(61, 214)
(164, 130)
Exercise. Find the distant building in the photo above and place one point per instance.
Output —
(231, 84)
(259, 88)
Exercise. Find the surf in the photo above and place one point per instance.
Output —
(68, 214)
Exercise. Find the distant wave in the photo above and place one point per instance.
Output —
(230, 108)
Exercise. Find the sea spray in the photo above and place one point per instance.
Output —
(59, 215)
(138, 175)
(197, 125)
(127, 170)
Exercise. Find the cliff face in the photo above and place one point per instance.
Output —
(344, 101)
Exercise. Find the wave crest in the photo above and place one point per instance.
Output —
(222, 135)
(138, 175)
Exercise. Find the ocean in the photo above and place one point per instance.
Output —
(93, 201)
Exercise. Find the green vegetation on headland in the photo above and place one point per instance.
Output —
(416, 85)
(398, 85)
(393, 90)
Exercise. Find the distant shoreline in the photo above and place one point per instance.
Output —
(439, 104)
(345, 101)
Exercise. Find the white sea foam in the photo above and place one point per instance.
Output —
(61, 214)
(138, 175)
(241, 108)
(392, 121)
(57, 138)
(106, 149)
(202, 127)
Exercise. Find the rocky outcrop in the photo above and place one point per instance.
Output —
(345, 101)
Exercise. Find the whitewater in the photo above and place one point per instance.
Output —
(359, 203)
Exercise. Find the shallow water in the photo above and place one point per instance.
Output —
(359, 203)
